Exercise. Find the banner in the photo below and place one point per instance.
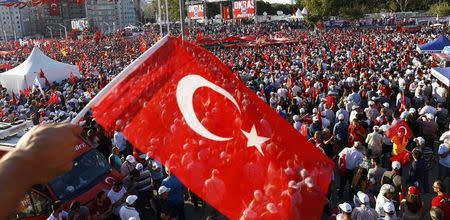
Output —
(80, 24)
(226, 13)
(195, 12)
(243, 9)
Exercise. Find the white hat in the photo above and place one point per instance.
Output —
(139, 166)
(131, 199)
(355, 107)
(296, 118)
(419, 140)
(376, 127)
(429, 116)
(272, 208)
(279, 108)
(249, 214)
(130, 159)
(386, 105)
(302, 111)
(315, 118)
(363, 198)
(371, 102)
(292, 184)
(388, 207)
(396, 165)
(404, 115)
(163, 189)
(412, 110)
(345, 207)
(341, 117)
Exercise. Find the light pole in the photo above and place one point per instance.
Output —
(182, 18)
(107, 25)
(159, 18)
(65, 30)
(51, 33)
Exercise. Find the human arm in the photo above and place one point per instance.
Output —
(48, 149)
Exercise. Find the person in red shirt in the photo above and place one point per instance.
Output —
(102, 207)
(442, 200)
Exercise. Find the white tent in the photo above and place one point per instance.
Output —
(23, 75)
(297, 15)
(304, 11)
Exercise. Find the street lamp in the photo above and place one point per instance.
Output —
(65, 30)
(51, 33)
(107, 25)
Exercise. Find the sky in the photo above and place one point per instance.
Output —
(279, 1)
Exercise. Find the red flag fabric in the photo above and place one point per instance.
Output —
(42, 75)
(14, 100)
(53, 98)
(400, 129)
(403, 103)
(179, 94)
(72, 78)
(142, 45)
(54, 8)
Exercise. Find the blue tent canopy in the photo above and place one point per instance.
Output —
(442, 74)
(434, 46)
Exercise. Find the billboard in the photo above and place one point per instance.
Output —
(243, 9)
(80, 24)
(196, 12)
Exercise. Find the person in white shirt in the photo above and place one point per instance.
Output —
(346, 211)
(353, 158)
(444, 161)
(128, 211)
(374, 141)
(57, 212)
(119, 141)
(389, 209)
(117, 197)
(386, 193)
(364, 212)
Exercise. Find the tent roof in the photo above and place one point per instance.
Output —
(442, 74)
(435, 45)
(37, 60)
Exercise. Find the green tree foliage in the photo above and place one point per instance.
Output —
(318, 9)
(439, 9)
(351, 13)
(272, 9)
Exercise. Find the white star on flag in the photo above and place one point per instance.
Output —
(254, 140)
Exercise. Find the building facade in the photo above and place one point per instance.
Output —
(15, 22)
(127, 13)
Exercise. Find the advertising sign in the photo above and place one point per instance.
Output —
(80, 24)
(196, 12)
(243, 9)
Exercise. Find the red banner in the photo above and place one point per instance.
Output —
(196, 12)
(243, 9)
(226, 13)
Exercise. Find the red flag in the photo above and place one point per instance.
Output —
(53, 98)
(399, 134)
(42, 75)
(177, 93)
(72, 78)
(142, 45)
(54, 8)
(14, 100)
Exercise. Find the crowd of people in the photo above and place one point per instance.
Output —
(340, 88)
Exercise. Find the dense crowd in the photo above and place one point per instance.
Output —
(340, 88)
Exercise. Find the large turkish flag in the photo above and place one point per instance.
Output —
(180, 102)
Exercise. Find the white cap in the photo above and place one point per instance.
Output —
(272, 208)
(163, 189)
(345, 207)
(363, 198)
(131, 199)
(412, 110)
(130, 159)
(419, 140)
(376, 127)
(371, 102)
(279, 108)
(296, 118)
(139, 166)
(302, 111)
(388, 207)
(396, 165)
(355, 107)
(404, 115)
(429, 116)
(249, 214)
(386, 105)
(315, 118)
(341, 117)
(292, 184)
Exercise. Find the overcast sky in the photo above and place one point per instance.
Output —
(280, 1)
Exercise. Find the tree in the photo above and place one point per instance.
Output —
(439, 9)
(150, 11)
(318, 10)
(352, 13)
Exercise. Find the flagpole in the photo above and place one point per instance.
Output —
(182, 18)
(119, 78)
(167, 16)
(159, 18)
